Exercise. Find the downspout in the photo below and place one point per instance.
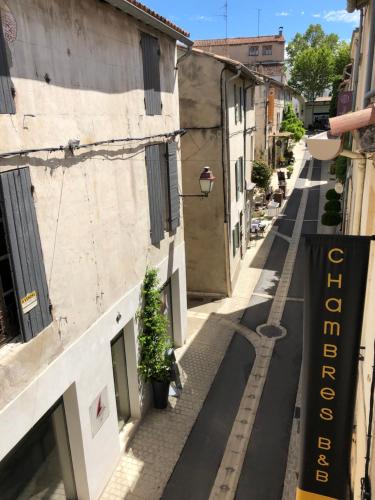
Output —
(370, 59)
(267, 86)
(357, 62)
(186, 54)
(226, 183)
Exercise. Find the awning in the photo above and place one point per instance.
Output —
(251, 186)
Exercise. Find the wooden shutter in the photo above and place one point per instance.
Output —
(241, 174)
(238, 179)
(174, 198)
(155, 196)
(235, 104)
(26, 252)
(151, 73)
(6, 98)
(241, 104)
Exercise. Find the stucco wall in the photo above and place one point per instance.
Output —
(92, 207)
(242, 52)
(200, 108)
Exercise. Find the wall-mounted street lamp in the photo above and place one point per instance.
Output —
(206, 181)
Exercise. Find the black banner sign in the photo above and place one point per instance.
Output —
(335, 286)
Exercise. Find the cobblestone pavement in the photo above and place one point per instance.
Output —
(147, 463)
(225, 486)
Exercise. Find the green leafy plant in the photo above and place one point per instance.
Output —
(261, 174)
(341, 165)
(331, 219)
(292, 124)
(154, 341)
(332, 195)
(332, 206)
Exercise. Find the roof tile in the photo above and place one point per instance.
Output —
(239, 40)
(158, 16)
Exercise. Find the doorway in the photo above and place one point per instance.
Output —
(121, 381)
(166, 307)
(40, 465)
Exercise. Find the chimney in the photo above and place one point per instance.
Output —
(281, 30)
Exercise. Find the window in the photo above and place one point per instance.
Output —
(236, 238)
(267, 50)
(120, 379)
(238, 104)
(166, 306)
(254, 51)
(239, 174)
(151, 74)
(162, 181)
(6, 88)
(24, 301)
(40, 465)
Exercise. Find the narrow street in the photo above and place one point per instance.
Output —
(209, 462)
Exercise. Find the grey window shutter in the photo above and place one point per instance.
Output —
(235, 104)
(174, 198)
(151, 73)
(237, 173)
(155, 197)
(242, 174)
(6, 98)
(26, 252)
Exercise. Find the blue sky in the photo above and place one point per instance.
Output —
(204, 18)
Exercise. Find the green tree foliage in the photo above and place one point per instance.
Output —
(313, 71)
(292, 124)
(332, 206)
(341, 165)
(313, 37)
(315, 59)
(335, 94)
(261, 174)
(331, 219)
(332, 195)
(154, 340)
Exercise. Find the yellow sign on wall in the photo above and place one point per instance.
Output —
(29, 302)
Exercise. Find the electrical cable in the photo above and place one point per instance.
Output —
(72, 147)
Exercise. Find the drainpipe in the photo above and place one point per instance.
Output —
(370, 59)
(186, 54)
(357, 62)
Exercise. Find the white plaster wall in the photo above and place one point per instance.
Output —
(92, 208)
(236, 150)
(82, 371)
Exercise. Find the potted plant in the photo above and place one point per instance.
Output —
(289, 171)
(155, 365)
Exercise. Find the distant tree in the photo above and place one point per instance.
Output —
(313, 71)
(291, 123)
(335, 94)
(315, 60)
(261, 174)
(313, 37)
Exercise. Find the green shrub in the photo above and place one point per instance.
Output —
(331, 219)
(341, 166)
(261, 174)
(292, 124)
(332, 206)
(332, 195)
(154, 340)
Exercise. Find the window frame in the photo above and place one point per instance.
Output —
(267, 50)
(254, 48)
